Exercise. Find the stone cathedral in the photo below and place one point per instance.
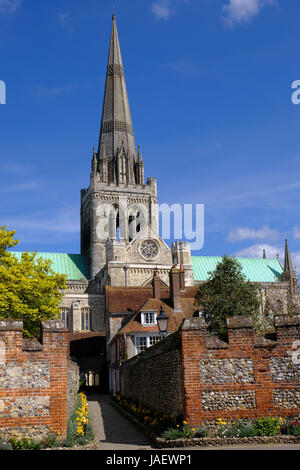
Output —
(119, 216)
(120, 242)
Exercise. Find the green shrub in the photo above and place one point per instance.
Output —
(268, 426)
(201, 432)
(292, 428)
(5, 445)
(241, 429)
(296, 430)
(171, 434)
(31, 444)
(187, 431)
(25, 444)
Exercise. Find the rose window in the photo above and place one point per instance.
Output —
(149, 249)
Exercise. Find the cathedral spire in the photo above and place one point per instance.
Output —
(288, 265)
(116, 123)
(289, 273)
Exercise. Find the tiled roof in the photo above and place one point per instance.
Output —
(123, 299)
(175, 318)
(74, 266)
(255, 269)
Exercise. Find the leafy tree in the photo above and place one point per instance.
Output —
(29, 288)
(226, 293)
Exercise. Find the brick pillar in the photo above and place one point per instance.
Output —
(55, 348)
(156, 285)
(175, 291)
(182, 278)
(287, 329)
(193, 344)
(240, 331)
(11, 338)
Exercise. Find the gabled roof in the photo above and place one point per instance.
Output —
(122, 299)
(255, 269)
(175, 318)
(74, 266)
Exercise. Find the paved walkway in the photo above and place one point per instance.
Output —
(113, 431)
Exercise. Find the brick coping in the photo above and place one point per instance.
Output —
(162, 443)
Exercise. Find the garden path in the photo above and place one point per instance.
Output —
(112, 430)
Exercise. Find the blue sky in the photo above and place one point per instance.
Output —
(209, 85)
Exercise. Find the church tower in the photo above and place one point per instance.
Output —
(119, 217)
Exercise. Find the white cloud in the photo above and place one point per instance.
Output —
(296, 260)
(9, 6)
(245, 233)
(49, 92)
(22, 187)
(161, 9)
(65, 221)
(243, 11)
(64, 18)
(256, 251)
(296, 233)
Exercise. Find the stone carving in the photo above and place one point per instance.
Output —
(113, 69)
(121, 126)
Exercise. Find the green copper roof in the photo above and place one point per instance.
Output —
(255, 269)
(74, 266)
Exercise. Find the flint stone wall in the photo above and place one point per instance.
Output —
(34, 380)
(226, 371)
(24, 407)
(284, 370)
(286, 398)
(33, 374)
(228, 400)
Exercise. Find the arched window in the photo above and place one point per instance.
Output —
(136, 220)
(114, 223)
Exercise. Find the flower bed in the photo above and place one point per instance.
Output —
(155, 421)
(180, 434)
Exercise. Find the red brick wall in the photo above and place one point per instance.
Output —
(248, 377)
(154, 377)
(33, 380)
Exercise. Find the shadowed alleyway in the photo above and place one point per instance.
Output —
(113, 431)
